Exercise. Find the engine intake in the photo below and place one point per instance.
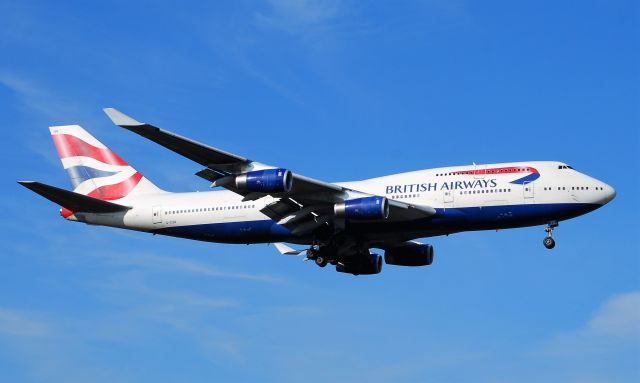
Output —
(363, 208)
(367, 265)
(266, 181)
(409, 254)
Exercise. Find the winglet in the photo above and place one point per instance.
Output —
(286, 250)
(120, 118)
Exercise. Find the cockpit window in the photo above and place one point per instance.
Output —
(564, 167)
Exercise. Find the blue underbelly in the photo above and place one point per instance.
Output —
(231, 232)
(447, 220)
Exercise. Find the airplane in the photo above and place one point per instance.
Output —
(338, 223)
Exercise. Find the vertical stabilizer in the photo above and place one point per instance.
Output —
(94, 169)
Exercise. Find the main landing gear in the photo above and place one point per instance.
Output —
(321, 261)
(549, 242)
(319, 258)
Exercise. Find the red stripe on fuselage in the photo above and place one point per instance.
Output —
(505, 170)
(71, 146)
(116, 191)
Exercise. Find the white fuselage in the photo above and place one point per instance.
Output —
(474, 197)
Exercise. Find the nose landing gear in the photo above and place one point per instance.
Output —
(549, 242)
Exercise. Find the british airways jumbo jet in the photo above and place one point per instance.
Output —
(339, 222)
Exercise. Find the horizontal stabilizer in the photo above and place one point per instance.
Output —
(73, 201)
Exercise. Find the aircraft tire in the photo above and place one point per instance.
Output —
(321, 261)
(549, 243)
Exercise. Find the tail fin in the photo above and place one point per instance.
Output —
(94, 169)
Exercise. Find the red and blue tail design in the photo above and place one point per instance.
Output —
(94, 169)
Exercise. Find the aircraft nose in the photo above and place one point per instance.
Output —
(610, 193)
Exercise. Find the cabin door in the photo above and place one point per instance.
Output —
(528, 190)
(156, 212)
(448, 198)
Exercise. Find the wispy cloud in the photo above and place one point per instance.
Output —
(299, 16)
(614, 326)
(36, 97)
(619, 316)
(309, 27)
(44, 108)
(21, 324)
(180, 265)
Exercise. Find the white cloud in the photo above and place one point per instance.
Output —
(16, 323)
(35, 97)
(294, 15)
(614, 327)
(184, 265)
(619, 316)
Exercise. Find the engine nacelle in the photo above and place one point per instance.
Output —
(409, 254)
(363, 208)
(367, 265)
(266, 181)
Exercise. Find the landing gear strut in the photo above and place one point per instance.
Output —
(549, 242)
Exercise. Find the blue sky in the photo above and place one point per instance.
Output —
(336, 90)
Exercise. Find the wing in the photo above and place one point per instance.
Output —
(306, 207)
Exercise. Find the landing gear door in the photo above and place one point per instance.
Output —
(156, 214)
(528, 190)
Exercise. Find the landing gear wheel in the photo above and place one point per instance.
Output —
(549, 243)
(321, 261)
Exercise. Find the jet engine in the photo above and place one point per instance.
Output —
(363, 208)
(266, 181)
(366, 265)
(409, 254)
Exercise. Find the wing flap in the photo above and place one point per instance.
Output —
(401, 211)
(210, 174)
(287, 250)
(281, 208)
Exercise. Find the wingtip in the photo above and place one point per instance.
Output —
(120, 118)
(28, 184)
